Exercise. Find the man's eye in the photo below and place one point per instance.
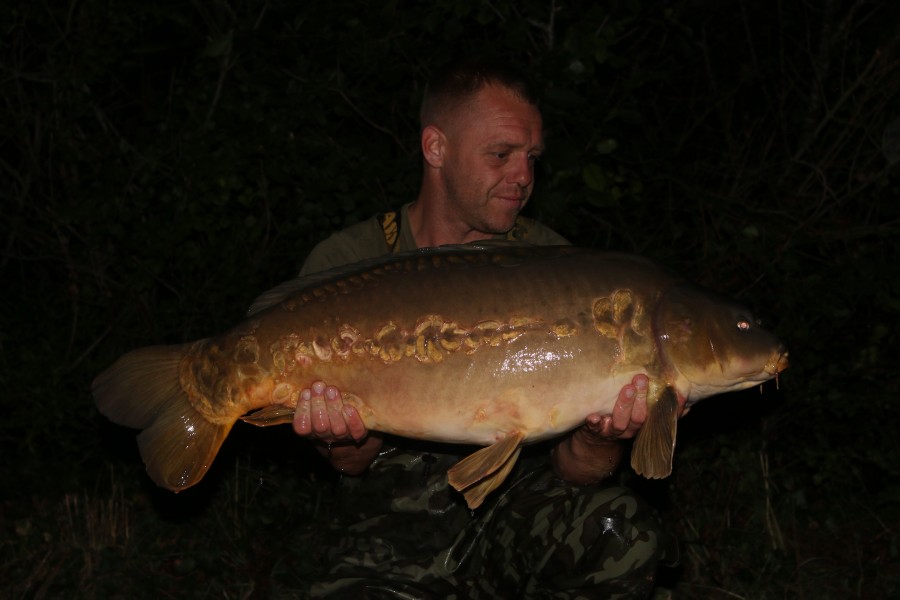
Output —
(501, 155)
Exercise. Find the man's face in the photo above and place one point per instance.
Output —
(488, 168)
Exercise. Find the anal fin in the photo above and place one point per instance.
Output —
(483, 471)
(654, 446)
(274, 414)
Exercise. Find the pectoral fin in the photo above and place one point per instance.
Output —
(275, 414)
(480, 473)
(654, 446)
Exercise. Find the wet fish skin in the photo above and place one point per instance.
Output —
(469, 345)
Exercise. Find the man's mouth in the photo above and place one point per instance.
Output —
(516, 198)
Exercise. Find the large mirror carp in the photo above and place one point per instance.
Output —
(496, 346)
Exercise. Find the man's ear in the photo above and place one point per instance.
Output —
(434, 144)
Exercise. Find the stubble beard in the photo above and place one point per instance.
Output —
(489, 220)
(482, 215)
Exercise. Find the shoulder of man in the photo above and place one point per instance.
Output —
(533, 232)
(355, 243)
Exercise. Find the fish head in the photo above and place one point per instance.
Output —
(710, 345)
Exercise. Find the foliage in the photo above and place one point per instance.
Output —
(162, 163)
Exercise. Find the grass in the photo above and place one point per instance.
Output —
(758, 519)
(251, 524)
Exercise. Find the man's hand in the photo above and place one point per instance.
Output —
(593, 452)
(628, 414)
(321, 414)
(339, 430)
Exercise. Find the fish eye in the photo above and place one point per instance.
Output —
(744, 325)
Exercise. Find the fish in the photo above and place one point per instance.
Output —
(491, 345)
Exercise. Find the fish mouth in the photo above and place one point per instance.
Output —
(778, 362)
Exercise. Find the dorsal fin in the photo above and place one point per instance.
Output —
(281, 292)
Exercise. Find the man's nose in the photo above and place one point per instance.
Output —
(521, 170)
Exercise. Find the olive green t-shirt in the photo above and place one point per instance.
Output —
(366, 240)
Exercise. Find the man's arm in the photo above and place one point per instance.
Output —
(593, 452)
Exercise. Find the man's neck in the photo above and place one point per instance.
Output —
(433, 226)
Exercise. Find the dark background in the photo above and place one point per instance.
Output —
(162, 163)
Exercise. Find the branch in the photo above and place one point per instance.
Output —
(371, 123)
(227, 63)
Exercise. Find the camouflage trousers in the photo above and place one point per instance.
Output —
(404, 533)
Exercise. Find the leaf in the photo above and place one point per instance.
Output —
(595, 177)
(219, 46)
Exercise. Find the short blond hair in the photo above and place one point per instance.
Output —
(457, 83)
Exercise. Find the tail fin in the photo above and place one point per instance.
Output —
(142, 390)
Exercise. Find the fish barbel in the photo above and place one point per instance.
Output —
(496, 346)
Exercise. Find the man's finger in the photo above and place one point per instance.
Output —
(302, 423)
(355, 423)
(333, 405)
(621, 416)
(641, 385)
(319, 413)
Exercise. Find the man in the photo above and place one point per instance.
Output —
(551, 529)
